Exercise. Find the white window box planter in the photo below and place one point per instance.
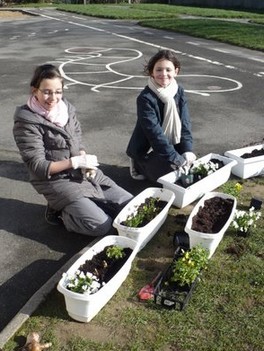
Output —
(247, 167)
(82, 307)
(142, 235)
(185, 196)
(208, 240)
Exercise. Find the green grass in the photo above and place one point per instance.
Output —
(245, 35)
(224, 313)
(139, 11)
(248, 34)
(115, 12)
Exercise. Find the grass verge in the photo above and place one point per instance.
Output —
(224, 313)
(248, 32)
(249, 35)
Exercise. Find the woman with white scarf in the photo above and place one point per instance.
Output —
(162, 140)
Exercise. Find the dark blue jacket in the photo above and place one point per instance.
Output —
(148, 131)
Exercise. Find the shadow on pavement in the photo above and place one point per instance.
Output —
(32, 251)
(23, 285)
(13, 170)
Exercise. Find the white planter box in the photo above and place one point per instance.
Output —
(143, 234)
(208, 240)
(185, 196)
(83, 307)
(247, 167)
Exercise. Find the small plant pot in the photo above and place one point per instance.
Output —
(181, 239)
(187, 179)
(247, 167)
(243, 234)
(256, 203)
(185, 196)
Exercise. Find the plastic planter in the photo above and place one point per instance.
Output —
(185, 196)
(82, 307)
(247, 167)
(142, 235)
(208, 240)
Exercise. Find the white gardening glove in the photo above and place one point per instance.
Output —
(84, 161)
(184, 169)
(190, 157)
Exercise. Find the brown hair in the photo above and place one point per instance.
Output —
(46, 71)
(161, 55)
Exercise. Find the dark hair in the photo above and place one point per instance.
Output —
(161, 55)
(46, 71)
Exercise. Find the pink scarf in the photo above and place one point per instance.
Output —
(57, 115)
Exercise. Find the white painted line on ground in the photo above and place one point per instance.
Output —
(79, 18)
(193, 43)
(257, 59)
(209, 61)
(89, 71)
(221, 50)
(151, 44)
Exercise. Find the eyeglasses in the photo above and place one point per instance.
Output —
(48, 93)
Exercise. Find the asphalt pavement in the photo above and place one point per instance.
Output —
(102, 61)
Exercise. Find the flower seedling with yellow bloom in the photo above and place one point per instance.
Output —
(187, 268)
(232, 189)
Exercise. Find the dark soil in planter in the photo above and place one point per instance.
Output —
(104, 267)
(213, 215)
(197, 177)
(254, 153)
(146, 218)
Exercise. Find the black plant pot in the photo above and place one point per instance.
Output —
(187, 180)
(171, 295)
(256, 203)
(181, 239)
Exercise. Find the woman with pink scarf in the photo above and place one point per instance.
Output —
(162, 140)
(48, 136)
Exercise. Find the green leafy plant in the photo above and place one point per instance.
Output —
(232, 188)
(82, 283)
(115, 252)
(203, 169)
(187, 267)
(145, 213)
(245, 220)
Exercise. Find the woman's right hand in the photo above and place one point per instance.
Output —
(84, 161)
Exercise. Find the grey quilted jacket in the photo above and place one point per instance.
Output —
(40, 142)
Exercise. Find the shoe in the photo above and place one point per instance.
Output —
(53, 217)
(133, 172)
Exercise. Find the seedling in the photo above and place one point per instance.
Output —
(115, 252)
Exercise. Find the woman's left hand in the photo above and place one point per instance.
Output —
(190, 157)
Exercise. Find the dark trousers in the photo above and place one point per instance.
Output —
(153, 166)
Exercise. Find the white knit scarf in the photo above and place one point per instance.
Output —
(171, 123)
(57, 115)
